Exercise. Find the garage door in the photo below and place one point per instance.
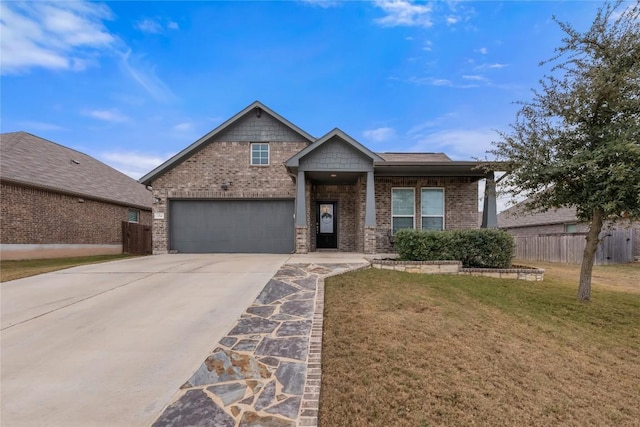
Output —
(255, 226)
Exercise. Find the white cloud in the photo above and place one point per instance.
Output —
(483, 50)
(451, 20)
(321, 3)
(428, 46)
(53, 35)
(183, 127)
(440, 82)
(459, 144)
(145, 76)
(475, 77)
(155, 26)
(495, 66)
(112, 115)
(148, 25)
(404, 13)
(380, 134)
(134, 164)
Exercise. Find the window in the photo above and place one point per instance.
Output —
(260, 154)
(134, 215)
(571, 228)
(432, 200)
(402, 208)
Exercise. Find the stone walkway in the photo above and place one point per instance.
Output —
(266, 370)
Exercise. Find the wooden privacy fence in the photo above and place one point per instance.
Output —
(616, 247)
(136, 238)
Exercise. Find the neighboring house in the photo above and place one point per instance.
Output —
(59, 202)
(622, 239)
(258, 183)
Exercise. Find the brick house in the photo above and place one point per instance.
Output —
(258, 183)
(59, 202)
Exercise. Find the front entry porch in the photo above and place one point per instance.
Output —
(334, 212)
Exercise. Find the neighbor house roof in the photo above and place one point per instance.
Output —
(33, 161)
(517, 216)
(200, 143)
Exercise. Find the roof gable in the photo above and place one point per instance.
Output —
(30, 160)
(332, 136)
(250, 124)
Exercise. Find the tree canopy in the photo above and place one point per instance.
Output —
(577, 142)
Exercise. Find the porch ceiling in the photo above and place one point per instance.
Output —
(335, 177)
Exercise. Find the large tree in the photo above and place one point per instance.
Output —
(577, 143)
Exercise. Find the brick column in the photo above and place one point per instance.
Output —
(302, 240)
(369, 240)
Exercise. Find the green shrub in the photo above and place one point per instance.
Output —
(486, 248)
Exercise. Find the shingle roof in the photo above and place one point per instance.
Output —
(516, 216)
(31, 160)
(414, 157)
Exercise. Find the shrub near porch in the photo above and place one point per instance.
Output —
(474, 248)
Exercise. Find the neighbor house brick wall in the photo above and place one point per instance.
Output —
(461, 203)
(34, 216)
(202, 175)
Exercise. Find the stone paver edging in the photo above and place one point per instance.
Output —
(266, 370)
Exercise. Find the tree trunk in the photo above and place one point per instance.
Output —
(588, 257)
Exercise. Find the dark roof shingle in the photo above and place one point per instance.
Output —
(31, 160)
(517, 216)
(414, 157)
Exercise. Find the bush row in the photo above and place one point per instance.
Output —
(485, 248)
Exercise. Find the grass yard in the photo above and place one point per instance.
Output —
(11, 270)
(403, 349)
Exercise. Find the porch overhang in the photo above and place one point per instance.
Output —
(475, 170)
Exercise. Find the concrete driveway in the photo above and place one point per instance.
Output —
(109, 344)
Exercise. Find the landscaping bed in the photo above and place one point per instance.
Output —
(455, 267)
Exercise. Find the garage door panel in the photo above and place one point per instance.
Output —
(256, 226)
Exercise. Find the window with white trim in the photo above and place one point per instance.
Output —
(260, 154)
(432, 208)
(402, 208)
(134, 215)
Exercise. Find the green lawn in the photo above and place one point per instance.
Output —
(404, 349)
(11, 270)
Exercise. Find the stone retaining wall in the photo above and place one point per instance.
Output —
(455, 267)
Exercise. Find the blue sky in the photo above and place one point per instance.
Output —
(132, 83)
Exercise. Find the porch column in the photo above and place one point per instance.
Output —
(489, 212)
(301, 206)
(370, 204)
(302, 231)
(370, 216)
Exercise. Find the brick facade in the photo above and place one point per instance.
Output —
(220, 162)
(32, 216)
(460, 203)
(217, 167)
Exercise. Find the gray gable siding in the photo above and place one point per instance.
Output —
(251, 128)
(336, 154)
